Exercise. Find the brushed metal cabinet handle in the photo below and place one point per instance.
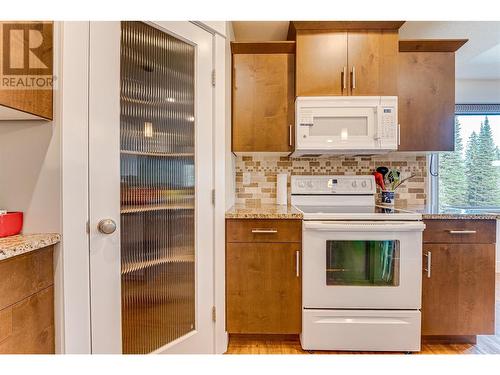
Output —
(353, 83)
(399, 135)
(462, 232)
(264, 230)
(344, 78)
(429, 264)
(297, 263)
(290, 135)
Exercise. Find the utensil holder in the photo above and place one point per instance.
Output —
(387, 198)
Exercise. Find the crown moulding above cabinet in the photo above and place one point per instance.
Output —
(26, 76)
(341, 26)
(431, 45)
(263, 47)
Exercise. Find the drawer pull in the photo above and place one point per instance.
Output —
(462, 231)
(429, 264)
(263, 230)
(297, 263)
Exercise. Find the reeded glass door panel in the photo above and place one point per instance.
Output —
(362, 263)
(157, 187)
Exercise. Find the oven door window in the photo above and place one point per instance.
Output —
(362, 263)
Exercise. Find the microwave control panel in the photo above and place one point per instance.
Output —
(388, 126)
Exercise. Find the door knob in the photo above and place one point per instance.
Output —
(106, 226)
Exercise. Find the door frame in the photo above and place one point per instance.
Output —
(72, 268)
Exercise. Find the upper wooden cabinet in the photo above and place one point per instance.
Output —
(347, 62)
(263, 97)
(26, 86)
(426, 94)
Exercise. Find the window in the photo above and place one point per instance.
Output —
(469, 177)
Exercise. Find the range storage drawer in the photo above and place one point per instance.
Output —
(264, 230)
(367, 330)
(460, 231)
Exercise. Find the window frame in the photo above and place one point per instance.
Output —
(461, 109)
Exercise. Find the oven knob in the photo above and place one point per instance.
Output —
(363, 184)
(302, 184)
(310, 184)
(354, 184)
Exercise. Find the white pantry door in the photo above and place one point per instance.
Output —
(151, 171)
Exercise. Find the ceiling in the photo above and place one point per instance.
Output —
(479, 58)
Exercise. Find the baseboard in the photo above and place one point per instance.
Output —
(449, 339)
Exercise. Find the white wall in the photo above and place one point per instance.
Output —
(30, 172)
(475, 91)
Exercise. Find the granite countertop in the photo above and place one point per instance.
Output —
(429, 213)
(24, 243)
(271, 211)
(265, 211)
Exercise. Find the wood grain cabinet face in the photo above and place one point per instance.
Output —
(263, 102)
(263, 288)
(458, 294)
(27, 303)
(263, 277)
(321, 63)
(426, 98)
(373, 63)
(347, 63)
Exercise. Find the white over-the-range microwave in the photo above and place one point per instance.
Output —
(346, 125)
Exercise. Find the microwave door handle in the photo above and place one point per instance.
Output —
(377, 136)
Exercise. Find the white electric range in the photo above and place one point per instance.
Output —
(361, 270)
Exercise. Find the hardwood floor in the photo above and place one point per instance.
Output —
(290, 344)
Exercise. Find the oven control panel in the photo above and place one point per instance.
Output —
(351, 185)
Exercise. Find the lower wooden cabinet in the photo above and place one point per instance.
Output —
(27, 303)
(263, 286)
(458, 282)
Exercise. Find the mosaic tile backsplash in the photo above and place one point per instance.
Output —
(263, 170)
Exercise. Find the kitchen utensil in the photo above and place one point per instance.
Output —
(403, 180)
(379, 179)
(11, 224)
(392, 178)
(383, 170)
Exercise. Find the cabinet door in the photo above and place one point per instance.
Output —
(372, 62)
(321, 63)
(263, 102)
(426, 101)
(263, 293)
(459, 296)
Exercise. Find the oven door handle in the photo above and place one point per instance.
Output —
(364, 226)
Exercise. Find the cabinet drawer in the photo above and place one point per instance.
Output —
(460, 231)
(24, 275)
(263, 230)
